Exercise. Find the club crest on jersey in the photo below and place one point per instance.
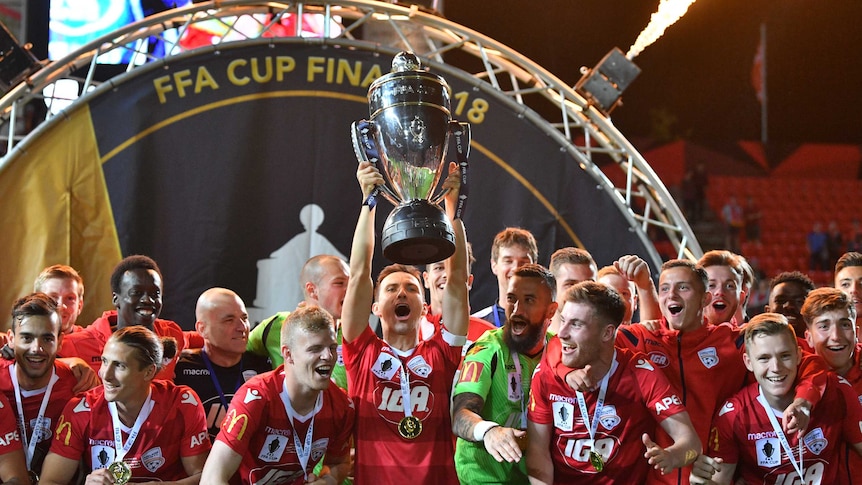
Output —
(419, 366)
(564, 415)
(101, 456)
(318, 449)
(273, 447)
(386, 366)
(708, 357)
(248, 374)
(728, 407)
(815, 441)
(609, 418)
(153, 459)
(339, 358)
(768, 452)
(644, 364)
(659, 358)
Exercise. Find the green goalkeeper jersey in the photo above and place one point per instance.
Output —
(490, 372)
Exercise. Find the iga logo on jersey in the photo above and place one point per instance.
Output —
(659, 358)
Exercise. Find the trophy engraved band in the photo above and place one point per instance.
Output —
(407, 137)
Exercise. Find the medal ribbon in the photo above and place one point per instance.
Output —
(517, 361)
(405, 391)
(214, 378)
(120, 447)
(593, 425)
(30, 444)
(303, 450)
(782, 438)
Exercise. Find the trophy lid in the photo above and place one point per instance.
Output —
(406, 61)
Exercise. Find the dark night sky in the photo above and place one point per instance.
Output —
(699, 73)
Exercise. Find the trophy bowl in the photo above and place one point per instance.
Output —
(409, 129)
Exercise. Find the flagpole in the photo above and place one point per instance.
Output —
(764, 112)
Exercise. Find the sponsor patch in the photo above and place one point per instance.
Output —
(386, 366)
(102, 456)
(768, 452)
(564, 414)
(273, 447)
(659, 358)
(513, 385)
(471, 371)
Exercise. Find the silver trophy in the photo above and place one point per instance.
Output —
(407, 137)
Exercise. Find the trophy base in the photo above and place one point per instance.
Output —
(417, 232)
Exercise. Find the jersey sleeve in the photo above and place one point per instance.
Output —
(852, 425)
(659, 394)
(721, 442)
(476, 372)
(339, 446)
(538, 411)
(813, 374)
(70, 437)
(255, 342)
(195, 435)
(243, 418)
(10, 439)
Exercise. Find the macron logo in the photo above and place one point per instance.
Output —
(728, 407)
(644, 364)
(189, 398)
(251, 395)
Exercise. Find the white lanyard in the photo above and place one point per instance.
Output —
(517, 361)
(303, 450)
(782, 438)
(593, 425)
(405, 390)
(30, 444)
(120, 447)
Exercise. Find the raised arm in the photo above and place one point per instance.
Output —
(456, 303)
(360, 287)
(637, 270)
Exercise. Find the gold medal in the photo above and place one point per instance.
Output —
(409, 427)
(596, 461)
(120, 471)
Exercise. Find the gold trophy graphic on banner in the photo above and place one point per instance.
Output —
(407, 137)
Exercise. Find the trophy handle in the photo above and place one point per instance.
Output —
(366, 151)
(460, 135)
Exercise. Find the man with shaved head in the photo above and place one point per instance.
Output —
(217, 370)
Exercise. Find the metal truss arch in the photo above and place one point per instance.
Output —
(583, 132)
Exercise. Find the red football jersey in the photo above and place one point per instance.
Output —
(373, 371)
(88, 345)
(176, 427)
(742, 434)
(61, 393)
(10, 440)
(638, 397)
(854, 377)
(257, 427)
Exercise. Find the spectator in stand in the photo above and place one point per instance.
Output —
(512, 247)
(734, 221)
(854, 242)
(752, 220)
(818, 249)
(759, 298)
(834, 243)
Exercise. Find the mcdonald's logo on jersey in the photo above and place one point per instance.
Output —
(471, 371)
(232, 419)
(62, 426)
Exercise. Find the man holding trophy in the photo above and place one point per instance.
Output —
(399, 384)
